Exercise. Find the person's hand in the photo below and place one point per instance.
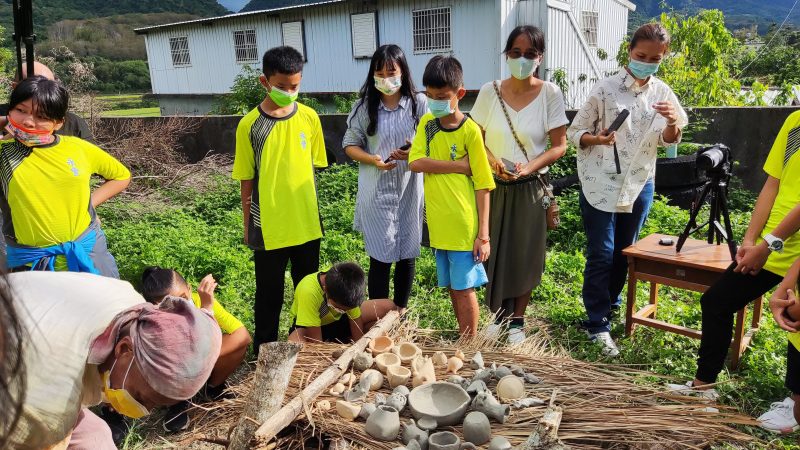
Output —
(401, 155)
(523, 170)
(463, 166)
(481, 250)
(778, 305)
(667, 109)
(381, 165)
(750, 259)
(606, 138)
(206, 291)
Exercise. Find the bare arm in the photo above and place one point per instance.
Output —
(247, 194)
(309, 334)
(766, 199)
(558, 140)
(784, 298)
(356, 328)
(107, 190)
(481, 248)
(429, 165)
(358, 154)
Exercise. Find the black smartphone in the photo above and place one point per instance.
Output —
(404, 147)
(509, 166)
(618, 121)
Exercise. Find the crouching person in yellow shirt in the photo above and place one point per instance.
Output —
(158, 283)
(330, 306)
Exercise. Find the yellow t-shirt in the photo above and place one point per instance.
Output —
(783, 163)
(48, 188)
(450, 205)
(227, 322)
(310, 308)
(280, 155)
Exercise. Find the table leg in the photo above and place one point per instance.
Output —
(654, 297)
(738, 338)
(757, 310)
(631, 304)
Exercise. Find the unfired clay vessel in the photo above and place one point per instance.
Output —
(501, 372)
(337, 389)
(477, 387)
(445, 440)
(487, 404)
(446, 403)
(411, 432)
(373, 377)
(402, 390)
(385, 360)
(366, 410)
(407, 351)
(482, 374)
(527, 402)
(476, 428)
(383, 424)
(439, 359)
(531, 378)
(347, 410)
(422, 371)
(397, 376)
(380, 344)
(454, 365)
(397, 401)
(362, 361)
(517, 370)
(347, 378)
(477, 361)
(460, 355)
(323, 405)
(510, 387)
(499, 443)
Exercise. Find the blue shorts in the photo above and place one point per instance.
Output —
(458, 270)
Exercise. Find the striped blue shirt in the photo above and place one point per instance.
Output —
(389, 203)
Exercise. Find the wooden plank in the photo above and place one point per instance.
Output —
(647, 311)
(671, 282)
(695, 253)
(631, 305)
(661, 325)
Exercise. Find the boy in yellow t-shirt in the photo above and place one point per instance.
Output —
(329, 306)
(448, 149)
(278, 145)
(783, 302)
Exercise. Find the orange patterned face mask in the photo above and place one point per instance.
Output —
(120, 399)
(30, 138)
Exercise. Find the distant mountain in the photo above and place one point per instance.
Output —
(233, 5)
(257, 5)
(738, 13)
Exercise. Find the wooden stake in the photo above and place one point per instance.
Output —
(281, 419)
(545, 435)
(273, 370)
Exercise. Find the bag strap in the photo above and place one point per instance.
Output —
(508, 119)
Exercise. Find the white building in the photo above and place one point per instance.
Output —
(192, 61)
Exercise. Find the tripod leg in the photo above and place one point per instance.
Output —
(713, 216)
(693, 217)
(728, 229)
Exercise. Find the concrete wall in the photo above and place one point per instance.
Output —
(749, 132)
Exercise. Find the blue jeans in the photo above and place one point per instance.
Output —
(607, 234)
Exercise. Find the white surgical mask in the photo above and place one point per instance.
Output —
(522, 67)
(389, 85)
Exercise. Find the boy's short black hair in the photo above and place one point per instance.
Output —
(157, 282)
(443, 71)
(345, 284)
(284, 59)
(50, 97)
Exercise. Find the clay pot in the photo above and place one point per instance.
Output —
(445, 440)
(362, 361)
(412, 445)
(499, 443)
(337, 389)
(482, 374)
(372, 379)
(347, 410)
(411, 432)
(477, 387)
(402, 390)
(380, 345)
(446, 403)
(476, 362)
(397, 376)
(422, 371)
(487, 404)
(460, 355)
(427, 424)
(510, 387)
(439, 359)
(366, 410)
(531, 378)
(397, 401)
(385, 360)
(454, 365)
(517, 370)
(476, 428)
(407, 351)
(384, 423)
(356, 394)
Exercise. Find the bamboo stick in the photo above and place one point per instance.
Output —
(294, 407)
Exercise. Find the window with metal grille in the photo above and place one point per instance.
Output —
(431, 30)
(244, 43)
(179, 47)
(589, 25)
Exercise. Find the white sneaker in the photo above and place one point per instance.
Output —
(688, 389)
(494, 330)
(604, 338)
(515, 335)
(780, 417)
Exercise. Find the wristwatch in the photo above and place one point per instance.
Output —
(774, 243)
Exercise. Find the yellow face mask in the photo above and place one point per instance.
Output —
(120, 399)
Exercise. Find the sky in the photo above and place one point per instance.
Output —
(233, 5)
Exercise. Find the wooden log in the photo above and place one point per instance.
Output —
(545, 435)
(273, 370)
(294, 407)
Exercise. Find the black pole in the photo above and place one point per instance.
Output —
(23, 34)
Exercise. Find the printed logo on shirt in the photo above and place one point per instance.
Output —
(303, 140)
(453, 149)
(73, 167)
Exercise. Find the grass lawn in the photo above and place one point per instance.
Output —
(135, 112)
(200, 232)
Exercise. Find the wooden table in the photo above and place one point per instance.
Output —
(697, 266)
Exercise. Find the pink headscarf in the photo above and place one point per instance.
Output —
(175, 345)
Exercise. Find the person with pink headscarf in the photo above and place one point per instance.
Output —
(92, 339)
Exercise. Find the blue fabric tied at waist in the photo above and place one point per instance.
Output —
(77, 254)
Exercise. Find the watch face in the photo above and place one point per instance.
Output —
(776, 245)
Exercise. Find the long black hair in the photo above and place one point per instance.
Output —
(12, 366)
(393, 56)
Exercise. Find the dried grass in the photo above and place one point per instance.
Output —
(605, 406)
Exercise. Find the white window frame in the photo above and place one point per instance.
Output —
(245, 46)
(364, 51)
(302, 38)
(431, 30)
(179, 50)
(589, 27)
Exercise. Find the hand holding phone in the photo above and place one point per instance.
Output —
(404, 148)
(509, 167)
(618, 121)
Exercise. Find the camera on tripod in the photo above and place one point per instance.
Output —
(717, 161)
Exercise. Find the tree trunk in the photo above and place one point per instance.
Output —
(291, 410)
(273, 370)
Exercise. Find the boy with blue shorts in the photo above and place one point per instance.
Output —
(448, 149)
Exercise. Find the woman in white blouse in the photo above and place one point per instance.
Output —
(518, 224)
(616, 169)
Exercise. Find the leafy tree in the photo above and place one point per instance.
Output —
(247, 92)
(120, 76)
(7, 62)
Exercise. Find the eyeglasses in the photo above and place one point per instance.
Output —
(514, 54)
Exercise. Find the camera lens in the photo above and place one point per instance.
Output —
(710, 158)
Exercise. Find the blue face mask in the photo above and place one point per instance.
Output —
(642, 70)
(440, 108)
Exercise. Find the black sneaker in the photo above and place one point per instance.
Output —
(117, 423)
(177, 419)
(221, 392)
